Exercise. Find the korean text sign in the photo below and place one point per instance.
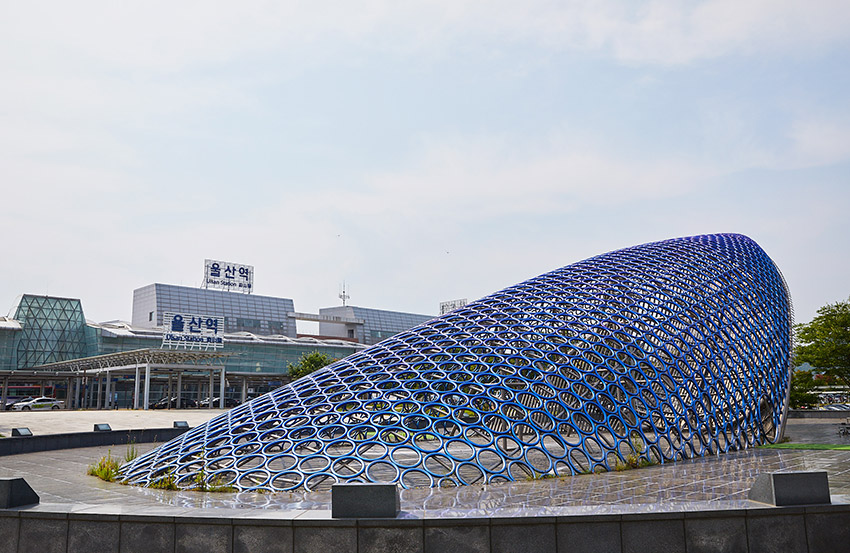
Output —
(223, 275)
(192, 331)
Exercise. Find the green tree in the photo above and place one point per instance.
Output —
(802, 386)
(824, 343)
(308, 363)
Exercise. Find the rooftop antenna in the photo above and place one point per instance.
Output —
(342, 295)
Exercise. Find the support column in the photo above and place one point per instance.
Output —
(77, 384)
(5, 396)
(107, 400)
(136, 389)
(68, 396)
(99, 392)
(170, 391)
(212, 388)
(179, 389)
(222, 390)
(244, 389)
(41, 388)
(147, 386)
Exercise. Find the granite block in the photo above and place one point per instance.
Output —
(145, 537)
(589, 537)
(768, 534)
(203, 538)
(318, 539)
(522, 538)
(365, 501)
(659, 536)
(93, 536)
(791, 488)
(258, 537)
(828, 532)
(16, 492)
(9, 530)
(464, 538)
(43, 535)
(390, 540)
(716, 535)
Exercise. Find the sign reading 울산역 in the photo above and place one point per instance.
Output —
(451, 305)
(184, 330)
(223, 275)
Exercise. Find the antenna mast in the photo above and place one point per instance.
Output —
(342, 295)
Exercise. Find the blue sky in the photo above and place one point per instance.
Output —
(419, 151)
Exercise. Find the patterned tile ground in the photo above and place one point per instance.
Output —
(707, 483)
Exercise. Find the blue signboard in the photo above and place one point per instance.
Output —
(192, 331)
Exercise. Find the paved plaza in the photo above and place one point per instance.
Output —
(60, 422)
(720, 482)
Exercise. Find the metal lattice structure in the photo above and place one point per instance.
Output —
(653, 353)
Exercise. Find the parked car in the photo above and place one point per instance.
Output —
(39, 404)
(10, 403)
(229, 403)
(165, 403)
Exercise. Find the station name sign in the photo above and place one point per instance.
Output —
(451, 305)
(185, 330)
(223, 275)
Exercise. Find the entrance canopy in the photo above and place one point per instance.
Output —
(194, 365)
(161, 358)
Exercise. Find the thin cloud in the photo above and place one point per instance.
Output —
(819, 142)
(169, 37)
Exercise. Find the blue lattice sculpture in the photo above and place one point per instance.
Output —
(653, 353)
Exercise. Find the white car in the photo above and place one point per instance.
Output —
(38, 404)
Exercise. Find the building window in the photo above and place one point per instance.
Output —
(351, 333)
(150, 316)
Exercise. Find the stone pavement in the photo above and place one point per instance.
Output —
(710, 483)
(61, 422)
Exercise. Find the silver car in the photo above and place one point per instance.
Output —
(38, 404)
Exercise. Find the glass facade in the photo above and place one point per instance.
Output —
(258, 329)
(10, 330)
(242, 312)
(52, 329)
(43, 329)
(252, 354)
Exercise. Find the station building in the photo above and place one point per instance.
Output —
(45, 341)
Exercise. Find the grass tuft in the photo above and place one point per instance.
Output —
(215, 485)
(540, 476)
(811, 447)
(131, 453)
(167, 482)
(200, 484)
(106, 468)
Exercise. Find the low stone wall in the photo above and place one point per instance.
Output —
(820, 529)
(48, 442)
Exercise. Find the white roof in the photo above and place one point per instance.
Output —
(11, 324)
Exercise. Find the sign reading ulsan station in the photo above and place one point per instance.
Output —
(451, 305)
(223, 275)
(192, 331)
